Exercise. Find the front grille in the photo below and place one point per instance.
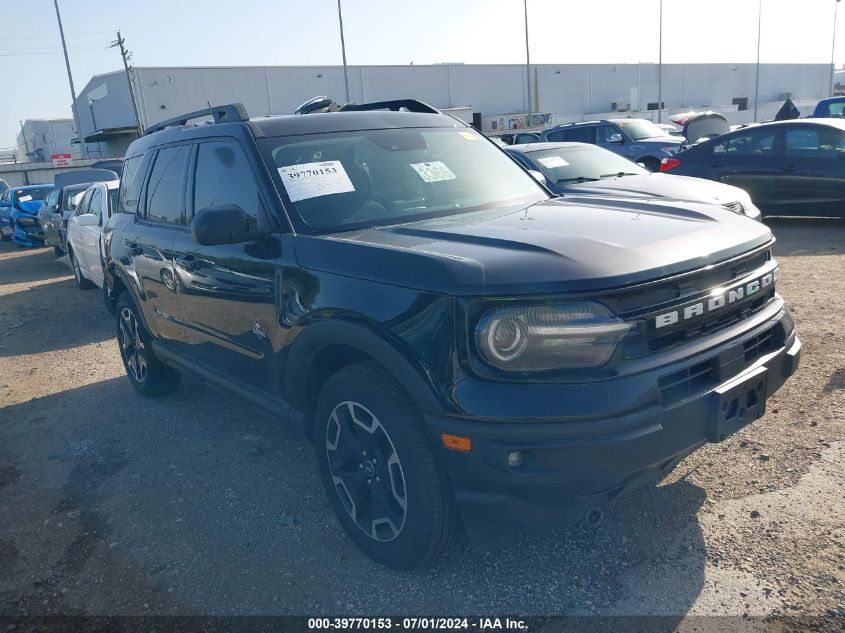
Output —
(705, 375)
(736, 207)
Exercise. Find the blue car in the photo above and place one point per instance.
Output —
(834, 107)
(638, 140)
(22, 209)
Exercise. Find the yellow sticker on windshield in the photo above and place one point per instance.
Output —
(469, 136)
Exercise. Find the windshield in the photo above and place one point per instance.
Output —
(582, 163)
(346, 180)
(639, 130)
(28, 195)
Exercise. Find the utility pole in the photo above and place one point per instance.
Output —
(82, 149)
(125, 55)
(527, 62)
(757, 71)
(343, 50)
(660, 68)
(833, 48)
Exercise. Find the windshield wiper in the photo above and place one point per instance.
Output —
(560, 181)
(618, 174)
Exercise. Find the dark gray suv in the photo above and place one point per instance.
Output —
(639, 140)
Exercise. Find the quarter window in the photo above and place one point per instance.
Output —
(165, 200)
(224, 177)
(577, 135)
(130, 184)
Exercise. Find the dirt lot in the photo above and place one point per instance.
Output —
(197, 504)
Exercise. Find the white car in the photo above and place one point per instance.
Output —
(94, 207)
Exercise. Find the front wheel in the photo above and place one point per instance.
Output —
(380, 473)
(146, 372)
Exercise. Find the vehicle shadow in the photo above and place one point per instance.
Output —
(19, 265)
(807, 236)
(197, 504)
(52, 316)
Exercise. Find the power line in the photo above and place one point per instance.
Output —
(52, 51)
(50, 37)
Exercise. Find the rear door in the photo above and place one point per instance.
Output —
(813, 179)
(227, 291)
(751, 159)
(148, 242)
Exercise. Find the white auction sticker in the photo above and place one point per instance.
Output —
(552, 161)
(24, 198)
(435, 171)
(312, 180)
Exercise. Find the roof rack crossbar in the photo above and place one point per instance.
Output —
(411, 105)
(229, 113)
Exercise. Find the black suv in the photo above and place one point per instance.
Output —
(459, 346)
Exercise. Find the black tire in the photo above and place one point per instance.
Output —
(387, 459)
(146, 372)
(81, 281)
(6, 238)
(58, 252)
(652, 164)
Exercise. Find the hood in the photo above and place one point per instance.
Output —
(658, 185)
(564, 245)
(30, 207)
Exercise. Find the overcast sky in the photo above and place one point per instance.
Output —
(292, 32)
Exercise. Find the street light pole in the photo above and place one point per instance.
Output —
(757, 71)
(343, 50)
(833, 47)
(76, 121)
(660, 68)
(527, 62)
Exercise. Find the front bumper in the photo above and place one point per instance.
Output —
(570, 466)
(28, 235)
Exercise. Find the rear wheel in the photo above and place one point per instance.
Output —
(81, 281)
(382, 478)
(146, 372)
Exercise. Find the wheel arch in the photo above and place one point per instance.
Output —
(323, 348)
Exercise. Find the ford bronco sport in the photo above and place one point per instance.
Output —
(460, 347)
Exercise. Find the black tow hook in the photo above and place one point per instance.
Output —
(594, 516)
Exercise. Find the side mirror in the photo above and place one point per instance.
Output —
(226, 224)
(616, 139)
(538, 176)
(87, 219)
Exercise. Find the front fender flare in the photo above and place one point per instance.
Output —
(314, 337)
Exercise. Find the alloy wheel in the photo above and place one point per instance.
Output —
(131, 345)
(366, 471)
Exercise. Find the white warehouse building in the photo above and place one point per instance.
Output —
(495, 94)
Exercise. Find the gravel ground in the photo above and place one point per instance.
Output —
(197, 504)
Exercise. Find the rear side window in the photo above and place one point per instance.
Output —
(574, 134)
(165, 190)
(131, 184)
(223, 177)
(815, 142)
(96, 204)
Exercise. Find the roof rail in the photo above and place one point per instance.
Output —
(411, 105)
(229, 113)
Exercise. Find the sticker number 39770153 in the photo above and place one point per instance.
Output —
(311, 180)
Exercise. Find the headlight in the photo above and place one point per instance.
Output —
(544, 337)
